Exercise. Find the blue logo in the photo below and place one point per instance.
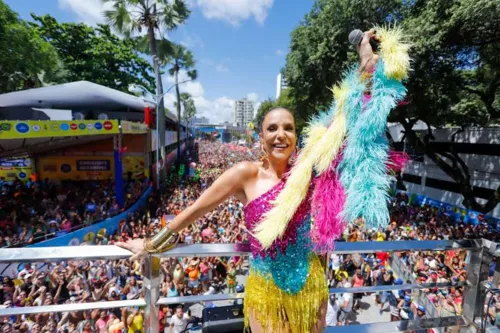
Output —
(64, 127)
(22, 175)
(82, 126)
(65, 168)
(22, 128)
(98, 126)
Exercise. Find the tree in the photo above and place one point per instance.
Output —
(94, 54)
(188, 106)
(25, 58)
(456, 68)
(131, 16)
(180, 59)
(264, 108)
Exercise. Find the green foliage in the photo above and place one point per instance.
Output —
(188, 106)
(456, 68)
(95, 54)
(25, 58)
(264, 108)
(132, 16)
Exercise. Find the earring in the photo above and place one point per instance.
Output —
(293, 157)
(263, 154)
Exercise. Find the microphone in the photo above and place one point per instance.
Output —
(356, 36)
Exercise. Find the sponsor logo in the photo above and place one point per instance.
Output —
(108, 125)
(22, 128)
(5, 127)
(65, 168)
(55, 127)
(36, 128)
(64, 127)
(98, 126)
(22, 175)
(82, 126)
(90, 126)
(73, 126)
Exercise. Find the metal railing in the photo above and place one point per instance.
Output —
(481, 253)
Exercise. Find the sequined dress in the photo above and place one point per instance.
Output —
(287, 282)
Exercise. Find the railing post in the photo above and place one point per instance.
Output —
(475, 293)
(151, 283)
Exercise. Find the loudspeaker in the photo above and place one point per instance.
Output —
(224, 319)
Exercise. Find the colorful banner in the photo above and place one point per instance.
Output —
(22, 129)
(88, 167)
(101, 229)
(12, 169)
(458, 213)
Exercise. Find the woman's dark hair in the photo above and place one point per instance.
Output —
(261, 122)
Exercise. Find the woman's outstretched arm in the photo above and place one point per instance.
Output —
(229, 183)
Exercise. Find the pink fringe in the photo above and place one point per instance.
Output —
(397, 160)
(327, 204)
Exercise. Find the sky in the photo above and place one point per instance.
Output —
(239, 45)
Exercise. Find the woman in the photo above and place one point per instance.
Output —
(276, 300)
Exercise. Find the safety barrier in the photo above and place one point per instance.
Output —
(481, 253)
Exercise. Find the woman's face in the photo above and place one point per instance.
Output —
(278, 134)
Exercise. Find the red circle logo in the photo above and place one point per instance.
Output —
(108, 125)
(73, 126)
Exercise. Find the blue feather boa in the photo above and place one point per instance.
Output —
(362, 170)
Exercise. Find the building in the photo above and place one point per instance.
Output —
(280, 84)
(243, 112)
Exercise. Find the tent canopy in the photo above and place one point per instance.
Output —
(79, 95)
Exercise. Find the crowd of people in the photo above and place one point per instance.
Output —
(36, 205)
(101, 280)
(35, 211)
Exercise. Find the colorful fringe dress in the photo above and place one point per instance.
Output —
(344, 169)
(287, 282)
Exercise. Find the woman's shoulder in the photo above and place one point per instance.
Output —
(247, 169)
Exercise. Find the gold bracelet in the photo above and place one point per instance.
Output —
(165, 240)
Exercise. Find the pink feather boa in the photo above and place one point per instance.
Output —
(327, 204)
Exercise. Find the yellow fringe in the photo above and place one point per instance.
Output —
(273, 307)
(394, 51)
(276, 219)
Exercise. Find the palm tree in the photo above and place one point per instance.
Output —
(180, 59)
(189, 107)
(134, 16)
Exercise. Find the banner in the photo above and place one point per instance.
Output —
(100, 229)
(129, 127)
(458, 213)
(12, 169)
(23, 129)
(88, 167)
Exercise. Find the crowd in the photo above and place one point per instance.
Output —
(101, 280)
(34, 211)
(408, 222)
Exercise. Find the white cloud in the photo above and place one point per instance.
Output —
(192, 41)
(87, 11)
(253, 97)
(218, 110)
(235, 11)
(194, 88)
(280, 52)
(221, 68)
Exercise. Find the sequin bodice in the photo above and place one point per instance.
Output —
(287, 260)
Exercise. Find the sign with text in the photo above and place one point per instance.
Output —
(93, 165)
(23, 129)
